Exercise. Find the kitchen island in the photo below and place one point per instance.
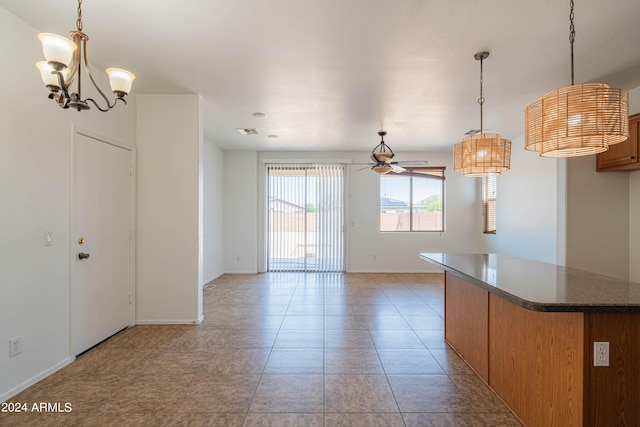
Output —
(530, 329)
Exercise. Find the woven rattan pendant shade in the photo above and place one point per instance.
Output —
(577, 120)
(481, 155)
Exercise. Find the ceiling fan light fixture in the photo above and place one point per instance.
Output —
(481, 154)
(382, 169)
(577, 120)
(381, 153)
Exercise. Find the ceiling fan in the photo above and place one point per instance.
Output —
(381, 156)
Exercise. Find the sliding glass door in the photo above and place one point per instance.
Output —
(305, 217)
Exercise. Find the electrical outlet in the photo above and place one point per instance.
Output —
(600, 354)
(15, 346)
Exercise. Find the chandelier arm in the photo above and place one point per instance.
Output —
(88, 70)
(110, 106)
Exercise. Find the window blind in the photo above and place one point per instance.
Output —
(305, 223)
(489, 193)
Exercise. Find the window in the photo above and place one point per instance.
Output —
(412, 200)
(489, 189)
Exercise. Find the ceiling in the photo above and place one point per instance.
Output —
(330, 73)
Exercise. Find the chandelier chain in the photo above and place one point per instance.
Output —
(79, 20)
(572, 36)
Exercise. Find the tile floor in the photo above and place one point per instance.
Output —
(280, 349)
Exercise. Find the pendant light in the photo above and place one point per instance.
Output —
(577, 120)
(482, 154)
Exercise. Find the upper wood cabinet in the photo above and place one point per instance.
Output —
(622, 156)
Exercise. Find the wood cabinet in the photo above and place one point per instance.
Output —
(541, 363)
(622, 156)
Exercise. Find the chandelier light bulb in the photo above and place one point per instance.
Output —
(120, 80)
(58, 50)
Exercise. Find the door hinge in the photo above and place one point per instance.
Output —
(131, 172)
(131, 235)
(130, 299)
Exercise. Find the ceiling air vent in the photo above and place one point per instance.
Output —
(247, 131)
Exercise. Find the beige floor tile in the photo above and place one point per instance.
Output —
(345, 338)
(358, 393)
(283, 420)
(432, 338)
(288, 393)
(395, 339)
(299, 339)
(295, 361)
(352, 361)
(282, 349)
(428, 393)
(409, 362)
(259, 338)
(476, 391)
(451, 362)
(363, 420)
(459, 420)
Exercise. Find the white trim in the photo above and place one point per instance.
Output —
(170, 322)
(241, 272)
(36, 378)
(426, 271)
(309, 161)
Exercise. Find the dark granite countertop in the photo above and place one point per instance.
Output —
(541, 286)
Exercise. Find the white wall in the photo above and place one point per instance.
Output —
(240, 212)
(394, 252)
(169, 209)
(213, 255)
(35, 153)
(597, 218)
(527, 220)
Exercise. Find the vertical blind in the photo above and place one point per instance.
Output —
(305, 217)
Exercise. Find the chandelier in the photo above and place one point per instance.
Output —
(482, 154)
(62, 66)
(577, 120)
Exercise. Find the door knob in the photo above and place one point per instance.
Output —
(82, 255)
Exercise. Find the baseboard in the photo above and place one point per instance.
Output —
(31, 381)
(241, 272)
(170, 322)
(430, 271)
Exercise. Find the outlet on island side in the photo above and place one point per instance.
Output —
(600, 354)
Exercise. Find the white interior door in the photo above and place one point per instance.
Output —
(102, 227)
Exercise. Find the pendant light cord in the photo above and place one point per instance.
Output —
(572, 36)
(481, 99)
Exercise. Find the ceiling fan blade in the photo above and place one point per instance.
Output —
(361, 169)
(397, 169)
